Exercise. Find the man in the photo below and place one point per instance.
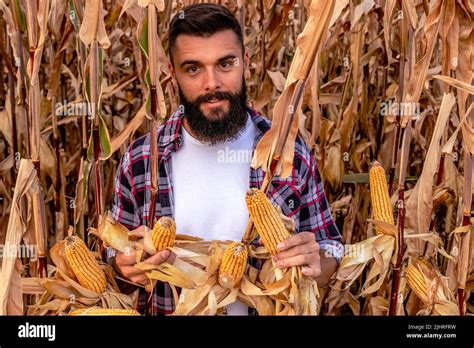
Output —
(203, 176)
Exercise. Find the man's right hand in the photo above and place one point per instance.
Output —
(126, 265)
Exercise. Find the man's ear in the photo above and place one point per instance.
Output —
(247, 63)
(171, 69)
(247, 57)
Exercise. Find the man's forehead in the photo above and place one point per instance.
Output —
(209, 48)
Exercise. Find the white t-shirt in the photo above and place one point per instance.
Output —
(209, 187)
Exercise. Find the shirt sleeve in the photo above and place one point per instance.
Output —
(124, 206)
(315, 214)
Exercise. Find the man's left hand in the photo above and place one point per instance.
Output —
(300, 249)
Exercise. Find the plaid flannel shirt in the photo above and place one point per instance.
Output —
(301, 196)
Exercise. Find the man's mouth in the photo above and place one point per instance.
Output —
(214, 101)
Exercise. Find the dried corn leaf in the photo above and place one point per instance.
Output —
(191, 299)
(420, 202)
(309, 42)
(420, 69)
(11, 301)
(93, 26)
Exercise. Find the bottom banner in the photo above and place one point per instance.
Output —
(291, 331)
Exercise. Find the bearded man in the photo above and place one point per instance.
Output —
(203, 179)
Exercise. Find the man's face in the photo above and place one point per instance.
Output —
(210, 75)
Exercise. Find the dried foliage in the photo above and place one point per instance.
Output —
(391, 81)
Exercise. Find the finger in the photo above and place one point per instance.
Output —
(307, 248)
(297, 239)
(141, 279)
(313, 271)
(130, 271)
(172, 258)
(298, 260)
(159, 257)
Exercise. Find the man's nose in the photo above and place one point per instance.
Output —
(211, 81)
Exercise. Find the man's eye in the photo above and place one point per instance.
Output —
(192, 69)
(227, 64)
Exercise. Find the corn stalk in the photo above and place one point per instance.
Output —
(401, 220)
(56, 59)
(36, 42)
(81, 203)
(55, 142)
(465, 240)
(394, 302)
(11, 87)
(93, 35)
(16, 42)
(154, 81)
(94, 100)
(412, 95)
(396, 144)
(3, 57)
(150, 42)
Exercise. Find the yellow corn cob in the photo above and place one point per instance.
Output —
(164, 233)
(104, 311)
(379, 196)
(84, 265)
(266, 219)
(416, 281)
(233, 265)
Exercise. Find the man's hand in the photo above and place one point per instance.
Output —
(303, 250)
(300, 250)
(125, 264)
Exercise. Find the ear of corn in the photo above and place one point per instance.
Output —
(416, 281)
(266, 219)
(233, 265)
(84, 265)
(164, 233)
(379, 196)
(93, 311)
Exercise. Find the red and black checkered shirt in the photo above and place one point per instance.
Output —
(300, 196)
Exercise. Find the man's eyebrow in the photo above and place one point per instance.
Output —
(189, 61)
(227, 57)
(196, 62)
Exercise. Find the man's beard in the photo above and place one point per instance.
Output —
(224, 127)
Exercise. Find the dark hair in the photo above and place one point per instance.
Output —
(203, 20)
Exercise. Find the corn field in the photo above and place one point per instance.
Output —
(391, 84)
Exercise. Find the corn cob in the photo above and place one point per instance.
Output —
(233, 265)
(84, 265)
(416, 281)
(266, 219)
(164, 233)
(379, 196)
(104, 311)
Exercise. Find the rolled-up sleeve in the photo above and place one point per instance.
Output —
(315, 214)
